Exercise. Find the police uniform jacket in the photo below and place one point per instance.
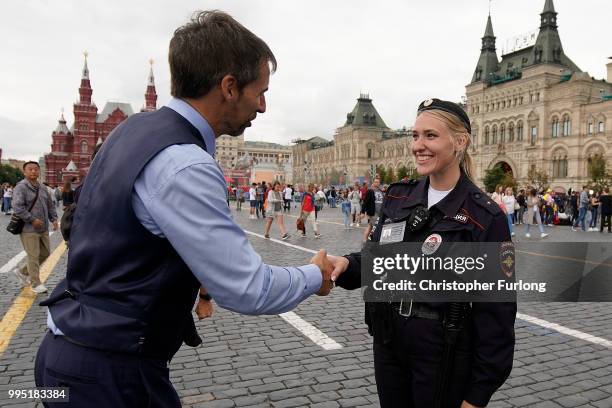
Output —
(466, 214)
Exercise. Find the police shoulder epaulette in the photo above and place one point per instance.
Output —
(486, 202)
(402, 185)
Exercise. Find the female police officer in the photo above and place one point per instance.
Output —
(410, 339)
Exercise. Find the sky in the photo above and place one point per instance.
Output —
(328, 52)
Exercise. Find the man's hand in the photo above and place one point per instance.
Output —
(204, 309)
(37, 224)
(326, 267)
(466, 404)
(55, 225)
(340, 264)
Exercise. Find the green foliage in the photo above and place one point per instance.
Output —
(598, 173)
(390, 178)
(9, 174)
(381, 172)
(402, 172)
(538, 179)
(493, 177)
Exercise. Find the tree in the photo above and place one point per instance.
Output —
(402, 172)
(390, 178)
(598, 173)
(10, 174)
(493, 177)
(381, 172)
(538, 179)
(334, 177)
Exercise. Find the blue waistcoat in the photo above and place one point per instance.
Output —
(126, 289)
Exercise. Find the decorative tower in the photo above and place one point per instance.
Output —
(150, 94)
(85, 113)
(548, 48)
(487, 62)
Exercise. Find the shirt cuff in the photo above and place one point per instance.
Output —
(314, 278)
(478, 396)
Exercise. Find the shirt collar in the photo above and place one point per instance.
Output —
(450, 204)
(197, 120)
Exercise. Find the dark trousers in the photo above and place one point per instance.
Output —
(606, 219)
(102, 379)
(406, 368)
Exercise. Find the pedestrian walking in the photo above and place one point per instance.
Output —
(346, 209)
(307, 208)
(274, 211)
(509, 203)
(32, 203)
(533, 213)
(583, 203)
(594, 203)
(605, 201)
(7, 199)
(239, 198)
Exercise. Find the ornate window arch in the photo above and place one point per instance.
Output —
(559, 163)
(494, 135)
(519, 131)
(567, 125)
(486, 135)
(555, 127)
(502, 133)
(84, 146)
(510, 132)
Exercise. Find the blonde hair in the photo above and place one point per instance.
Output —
(457, 128)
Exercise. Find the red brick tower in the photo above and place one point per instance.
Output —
(85, 112)
(150, 94)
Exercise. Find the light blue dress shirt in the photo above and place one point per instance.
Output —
(181, 195)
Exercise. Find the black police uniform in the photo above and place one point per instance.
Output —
(409, 338)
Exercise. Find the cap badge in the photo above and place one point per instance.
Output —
(428, 102)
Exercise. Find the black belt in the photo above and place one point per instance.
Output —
(409, 308)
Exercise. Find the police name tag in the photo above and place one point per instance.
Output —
(393, 232)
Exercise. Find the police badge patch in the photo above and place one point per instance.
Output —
(431, 244)
(507, 258)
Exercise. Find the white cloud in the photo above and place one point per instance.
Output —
(401, 52)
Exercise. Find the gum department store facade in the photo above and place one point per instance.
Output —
(533, 109)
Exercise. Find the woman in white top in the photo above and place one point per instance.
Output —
(7, 198)
(509, 202)
(533, 202)
(498, 195)
(274, 210)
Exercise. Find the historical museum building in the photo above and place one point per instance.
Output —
(71, 148)
(535, 109)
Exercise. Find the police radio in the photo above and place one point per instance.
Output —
(418, 219)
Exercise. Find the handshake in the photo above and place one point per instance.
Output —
(331, 267)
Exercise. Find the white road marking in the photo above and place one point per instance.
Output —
(540, 322)
(14, 261)
(565, 330)
(317, 336)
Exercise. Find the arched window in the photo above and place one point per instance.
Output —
(502, 133)
(494, 135)
(555, 127)
(511, 132)
(519, 131)
(590, 128)
(534, 134)
(567, 125)
(486, 136)
(600, 127)
(84, 146)
(559, 165)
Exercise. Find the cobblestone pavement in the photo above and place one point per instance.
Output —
(264, 361)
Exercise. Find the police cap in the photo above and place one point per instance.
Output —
(446, 106)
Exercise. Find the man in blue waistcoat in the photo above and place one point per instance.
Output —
(152, 227)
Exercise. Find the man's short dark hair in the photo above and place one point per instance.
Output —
(211, 46)
(31, 162)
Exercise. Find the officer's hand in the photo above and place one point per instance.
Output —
(340, 265)
(326, 267)
(37, 224)
(466, 404)
(204, 309)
